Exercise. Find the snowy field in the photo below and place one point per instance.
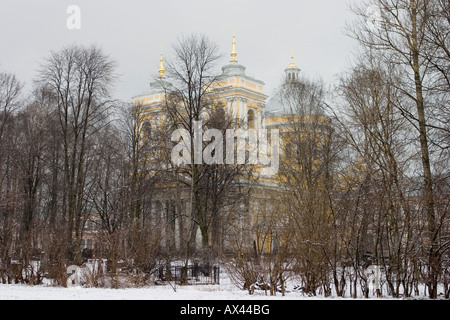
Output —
(225, 291)
(213, 292)
(191, 293)
(215, 297)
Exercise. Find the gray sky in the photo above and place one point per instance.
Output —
(132, 32)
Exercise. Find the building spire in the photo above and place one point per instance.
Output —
(161, 66)
(233, 50)
(292, 64)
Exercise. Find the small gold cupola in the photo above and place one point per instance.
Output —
(292, 71)
(292, 64)
(233, 50)
(161, 66)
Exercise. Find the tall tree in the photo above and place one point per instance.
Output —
(79, 80)
(192, 75)
(305, 173)
(379, 136)
(29, 151)
(10, 99)
(399, 34)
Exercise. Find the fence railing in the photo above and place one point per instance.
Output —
(190, 275)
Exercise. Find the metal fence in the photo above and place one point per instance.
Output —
(190, 275)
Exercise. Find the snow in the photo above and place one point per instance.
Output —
(216, 292)
(185, 296)
(225, 291)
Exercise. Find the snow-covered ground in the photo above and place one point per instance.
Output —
(225, 291)
(189, 297)
(165, 292)
(216, 292)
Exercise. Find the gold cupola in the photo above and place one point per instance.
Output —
(292, 71)
(161, 66)
(293, 64)
(233, 50)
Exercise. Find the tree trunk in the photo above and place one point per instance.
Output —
(427, 175)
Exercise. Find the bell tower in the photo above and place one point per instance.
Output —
(243, 95)
(292, 72)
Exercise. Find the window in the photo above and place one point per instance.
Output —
(251, 120)
(146, 131)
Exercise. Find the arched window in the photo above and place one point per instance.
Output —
(251, 119)
(146, 132)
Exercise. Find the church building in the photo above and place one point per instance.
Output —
(251, 222)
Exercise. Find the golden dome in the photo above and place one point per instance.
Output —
(292, 64)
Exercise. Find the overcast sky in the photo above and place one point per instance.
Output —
(132, 32)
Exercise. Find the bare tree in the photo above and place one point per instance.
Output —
(378, 134)
(188, 101)
(29, 152)
(79, 80)
(10, 99)
(437, 53)
(305, 173)
(10, 91)
(146, 164)
(400, 35)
